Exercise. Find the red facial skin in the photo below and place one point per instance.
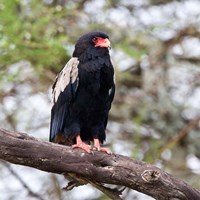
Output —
(101, 42)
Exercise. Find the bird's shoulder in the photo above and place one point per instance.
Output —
(68, 75)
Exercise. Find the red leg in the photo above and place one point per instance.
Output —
(97, 147)
(80, 144)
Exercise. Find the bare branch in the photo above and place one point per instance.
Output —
(181, 135)
(97, 168)
(30, 192)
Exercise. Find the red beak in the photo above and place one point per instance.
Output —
(101, 42)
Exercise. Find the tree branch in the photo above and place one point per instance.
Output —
(30, 192)
(180, 136)
(97, 168)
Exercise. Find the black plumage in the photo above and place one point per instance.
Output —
(82, 94)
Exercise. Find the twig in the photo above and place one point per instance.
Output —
(182, 134)
(30, 192)
(112, 193)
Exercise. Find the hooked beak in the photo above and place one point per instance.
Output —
(102, 42)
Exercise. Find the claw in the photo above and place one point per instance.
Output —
(81, 145)
(97, 147)
(108, 151)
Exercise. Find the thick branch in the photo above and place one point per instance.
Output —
(97, 168)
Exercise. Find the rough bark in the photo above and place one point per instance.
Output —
(97, 168)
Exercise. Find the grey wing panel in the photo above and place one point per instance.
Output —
(68, 76)
(64, 90)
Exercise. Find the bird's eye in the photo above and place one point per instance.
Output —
(94, 40)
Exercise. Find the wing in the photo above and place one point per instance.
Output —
(109, 102)
(64, 91)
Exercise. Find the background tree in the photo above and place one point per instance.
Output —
(155, 50)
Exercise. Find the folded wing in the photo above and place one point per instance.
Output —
(64, 91)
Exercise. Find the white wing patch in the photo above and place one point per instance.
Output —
(68, 74)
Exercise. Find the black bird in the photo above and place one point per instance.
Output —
(82, 95)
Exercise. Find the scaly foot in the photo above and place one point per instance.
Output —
(80, 144)
(97, 147)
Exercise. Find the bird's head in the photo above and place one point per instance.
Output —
(101, 42)
(92, 40)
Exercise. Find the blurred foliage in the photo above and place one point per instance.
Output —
(30, 31)
(155, 50)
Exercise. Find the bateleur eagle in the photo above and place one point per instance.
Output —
(82, 95)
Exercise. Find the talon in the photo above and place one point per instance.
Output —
(94, 148)
(108, 151)
(81, 145)
(97, 147)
